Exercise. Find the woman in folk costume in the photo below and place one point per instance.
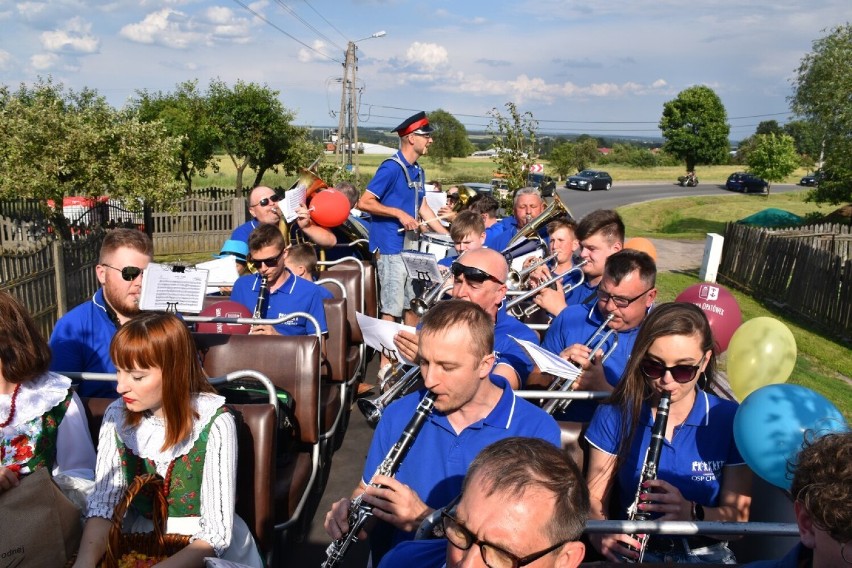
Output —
(168, 421)
(42, 422)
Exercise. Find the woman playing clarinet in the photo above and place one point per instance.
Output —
(699, 476)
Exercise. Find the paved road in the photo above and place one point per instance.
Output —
(582, 202)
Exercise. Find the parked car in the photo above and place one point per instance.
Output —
(589, 180)
(811, 180)
(746, 183)
(545, 184)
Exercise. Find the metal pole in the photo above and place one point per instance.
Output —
(353, 101)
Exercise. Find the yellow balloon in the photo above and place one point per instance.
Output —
(762, 352)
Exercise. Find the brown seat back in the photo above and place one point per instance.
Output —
(352, 282)
(574, 443)
(371, 286)
(337, 342)
(256, 431)
(290, 362)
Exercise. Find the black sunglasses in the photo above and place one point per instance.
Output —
(619, 301)
(452, 196)
(272, 261)
(471, 273)
(128, 273)
(680, 373)
(267, 200)
(493, 556)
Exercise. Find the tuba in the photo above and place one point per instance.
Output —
(311, 183)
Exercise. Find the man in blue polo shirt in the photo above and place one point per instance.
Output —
(81, 338)
(473, 408)
(287, 293)
(527, 205)
(394, 197)
(627, 292)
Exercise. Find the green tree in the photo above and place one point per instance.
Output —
(256, 130)
(695, 127)
(562, 159)
(773, 157)
(768, 127)
(514, 138)
(450, 139)
(585, 153)
(56, 143)
(808, 139)
(822, 86)
(185, 115)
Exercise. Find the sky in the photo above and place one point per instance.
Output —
(579, 67)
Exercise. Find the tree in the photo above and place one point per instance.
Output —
(562, 159)
(585, 153)
(514, 138)
(773, 157)
(823, 84)
(768, 127)
(450, 139)
(185, 115)
(256, 130)
(56, 143)
(808, 139)
(695, 127)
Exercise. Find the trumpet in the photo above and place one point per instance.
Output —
(373, 408)
(420, 305)
(523, 297)
(599, 339)
(517, 278)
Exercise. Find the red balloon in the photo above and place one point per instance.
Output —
(225, 309)
(720, 307)
(329, 208)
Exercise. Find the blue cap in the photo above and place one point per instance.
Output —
(232, 247)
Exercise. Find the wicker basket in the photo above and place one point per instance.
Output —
(155, 543)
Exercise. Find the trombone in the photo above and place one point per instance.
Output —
(524, 296)
(599, 339)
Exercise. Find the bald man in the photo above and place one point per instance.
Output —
(479, 276)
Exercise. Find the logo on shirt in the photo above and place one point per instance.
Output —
(706, 470)
(293, 321)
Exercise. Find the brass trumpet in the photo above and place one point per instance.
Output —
(373, 408)
(522, 297)
(562, 384)
(420, 305)
(517, 278)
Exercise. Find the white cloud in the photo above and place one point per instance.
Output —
(74, 37)
(427, 56)
(44, 61)
(308, 56)
(167, 27)
(5, 60)
(31, 10)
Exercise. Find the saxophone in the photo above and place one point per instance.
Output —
(262, 294)
(359, 511)
(649, 468)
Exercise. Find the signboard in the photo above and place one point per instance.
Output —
(537, 169)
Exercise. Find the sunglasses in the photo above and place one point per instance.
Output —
(680, 373)
(493, 556)
(267, 200)
(619, 301)
(471, 273)
(270, 262)
(452, 196)
(128, 273)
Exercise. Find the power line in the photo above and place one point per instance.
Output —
(318, 52)
(326, 21)
(308, 25)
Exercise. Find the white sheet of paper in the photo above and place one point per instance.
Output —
(548, 362)
(220, 271)
(379, 334)
(292, 199)
(421, 266)
(436, 200)
(162, 286)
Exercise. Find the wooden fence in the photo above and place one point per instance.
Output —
(201, 225)
(807, 270)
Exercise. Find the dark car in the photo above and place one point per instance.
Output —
(545, 184)
(811, 180)
(589, 180)
(746, 183)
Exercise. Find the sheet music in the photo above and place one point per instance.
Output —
(162, 286)
(222, 271)
(421, 266)
(435, 200)
(379, 335)
(293, 198)
(548, 362)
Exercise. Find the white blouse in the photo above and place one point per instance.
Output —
(218, 484)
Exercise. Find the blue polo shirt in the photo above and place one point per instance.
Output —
(295, 295)
(242, 232)
(576, 324)
(391, 188)
(426, 553)
(80, 343)
(510, 229)
(584, 294)
(508, 350)
(438, 460)
(692, 461)
(491, 234)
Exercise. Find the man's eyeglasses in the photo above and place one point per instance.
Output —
(422, 135)
(619, 301)
(493, 556)
(680, 373)
(267, 200)
(452, 197)
(471, 273)
(271, 262)
(128, 273)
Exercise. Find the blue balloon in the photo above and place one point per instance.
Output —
(771, 425)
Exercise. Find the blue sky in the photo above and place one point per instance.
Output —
(597, 67)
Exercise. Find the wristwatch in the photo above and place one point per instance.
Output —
(697, 511)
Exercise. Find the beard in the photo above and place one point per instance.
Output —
(124, 305)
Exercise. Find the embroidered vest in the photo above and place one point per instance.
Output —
(33, 444)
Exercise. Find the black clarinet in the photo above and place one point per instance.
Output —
(359, 511)
(262, 294)
(649, 468)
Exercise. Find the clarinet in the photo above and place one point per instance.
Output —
(262, 294)
(359, 511)
(649, 468)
